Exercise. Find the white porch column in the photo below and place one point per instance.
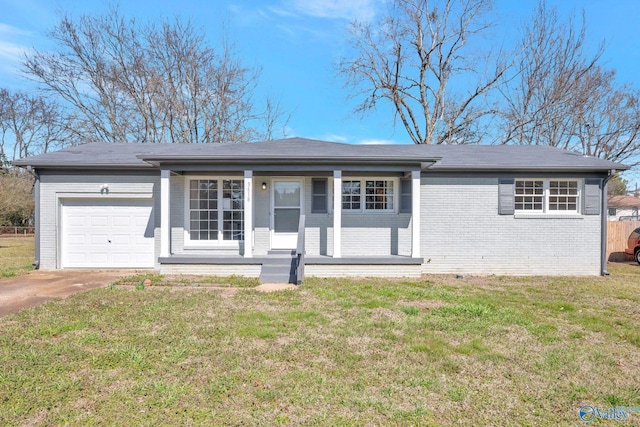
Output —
(415, 214)
(248, 214)
(165, 228)
(337, 214)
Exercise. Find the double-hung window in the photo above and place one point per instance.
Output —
(529, 196)
(368, 195)
(563, 196)
(215, 210)
(547, 195)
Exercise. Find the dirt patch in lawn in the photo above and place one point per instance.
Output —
(37, 287)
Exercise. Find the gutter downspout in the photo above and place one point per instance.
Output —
(36, 215)
(603, 225)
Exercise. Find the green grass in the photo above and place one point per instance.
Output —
(436, 351)
(16, 255)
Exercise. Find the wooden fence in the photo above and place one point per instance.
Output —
(16, 231)
(617, 236)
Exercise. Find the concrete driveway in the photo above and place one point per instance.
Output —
(38, 286)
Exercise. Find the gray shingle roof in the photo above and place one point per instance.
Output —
(306, 151)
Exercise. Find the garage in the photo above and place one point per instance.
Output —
(114, 233)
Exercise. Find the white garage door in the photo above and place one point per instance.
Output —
(107, 233)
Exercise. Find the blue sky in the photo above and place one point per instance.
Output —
(298, 42)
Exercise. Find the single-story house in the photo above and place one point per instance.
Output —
(271, 208)
(623, 208)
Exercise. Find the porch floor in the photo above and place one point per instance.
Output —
(308, 260)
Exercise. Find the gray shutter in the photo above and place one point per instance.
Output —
(319, 196)
(592, 191)
(506, 200)
(405, 196)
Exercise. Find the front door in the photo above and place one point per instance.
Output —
(286, 206)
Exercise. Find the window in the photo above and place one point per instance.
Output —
(377, 195)
(529, 196)
(563, 196)
(232, 210)
(216, 210)
(319, 195)
(612, 211)
(351, 195)
(545, 196)
(203, 209)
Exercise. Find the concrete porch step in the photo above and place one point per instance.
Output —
(278, 267)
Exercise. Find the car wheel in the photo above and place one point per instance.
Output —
(637, 255)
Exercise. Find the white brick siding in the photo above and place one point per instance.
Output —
(462, 232)
(252, 270)
(362, 270)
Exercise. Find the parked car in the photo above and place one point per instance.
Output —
(633, 245)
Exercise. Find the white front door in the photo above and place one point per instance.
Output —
(107, 233)
(286, 206)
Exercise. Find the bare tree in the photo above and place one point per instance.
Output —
(29, 124)
(607, 119)
(147, 83)
(275, 120)
(551, 67)
(562, 97)
(415, 56)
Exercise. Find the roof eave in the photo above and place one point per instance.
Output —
(526, 169)
(75, 166)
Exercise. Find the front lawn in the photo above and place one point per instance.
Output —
(437, 351)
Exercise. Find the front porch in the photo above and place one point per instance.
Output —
(360, 220)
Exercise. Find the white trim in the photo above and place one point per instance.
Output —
(330, 200)
(415, 214)
(165, 227)
(337, 213)
(111, 195)
(203, 244)
(548, 216)
(546, 212)
(248, 213)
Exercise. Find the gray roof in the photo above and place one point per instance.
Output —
(309, 152)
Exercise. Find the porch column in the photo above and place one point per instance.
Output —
(248, 214)
(415, 214)
(337, 214)
(165, 228)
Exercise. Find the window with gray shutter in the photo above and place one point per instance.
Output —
(506, 200)
(405, 196)
(319, 195)
(592, 191)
